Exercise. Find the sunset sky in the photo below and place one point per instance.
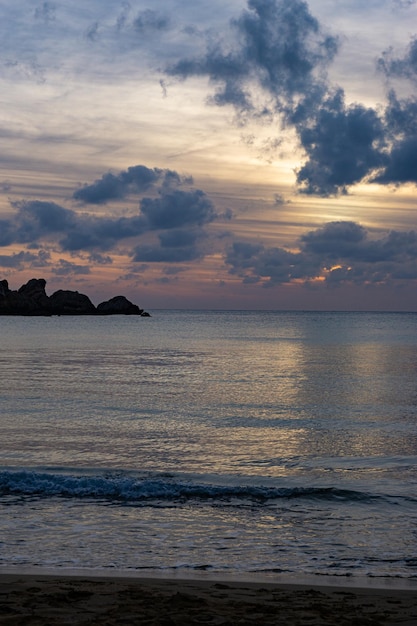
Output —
(256, 154)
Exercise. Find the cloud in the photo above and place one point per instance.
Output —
(178, 238)
(149, 21)
(336, 253)
(401, 164)
(36, 219)
(275, 63)
(17, 260)
(177, 209)
(101, 233)
(348, 242)
(66, 268)
(400, 125)
(400, 67)
(343, 143)
(175, 246)
(22, 259)
(278, 47)
(123, 17)
(255, 262)
(178, 216)
(181, 243)
(46, 12)
(279, 199)
(7, 233)
(99, 259)
(92, 33)
(349, 144)
(334, 240)
(135, 179)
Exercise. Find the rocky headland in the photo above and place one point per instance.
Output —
(31, 299)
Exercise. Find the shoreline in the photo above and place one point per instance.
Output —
(282, 580)
(110, 598)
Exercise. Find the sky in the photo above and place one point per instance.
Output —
(249, 154)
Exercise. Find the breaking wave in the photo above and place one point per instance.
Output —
(131, 490)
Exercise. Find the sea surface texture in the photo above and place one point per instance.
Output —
(228, 442)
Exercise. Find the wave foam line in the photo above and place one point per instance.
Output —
(128, 489)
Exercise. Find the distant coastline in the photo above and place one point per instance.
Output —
(31, 300)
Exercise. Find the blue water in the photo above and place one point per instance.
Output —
(229, 442)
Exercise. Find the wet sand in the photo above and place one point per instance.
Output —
(48, 600)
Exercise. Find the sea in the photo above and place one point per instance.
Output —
(256, 443)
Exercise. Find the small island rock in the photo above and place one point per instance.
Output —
(119, 305)
(31, 299)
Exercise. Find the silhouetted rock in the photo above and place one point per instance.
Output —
(71, 303)
(119, 305)
(31, 299)
(4, 288)
(34, 292)
(21, 302)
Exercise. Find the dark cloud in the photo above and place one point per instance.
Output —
(350, 242)
(92, 33)
(179, 216)
(66, 268)
(177, 238)
(7, 233)
(36, 219)
(135, 179)
(400, 158)
(255, 262)
(401, 163)
(400, 67)
(101, 233)
(286, 42)
(346, 145)
(338, 252)
(282, 49)
(343, 144)
(99, 259)
(334, 240)
(278, 45)
(275, 62)
(16, 261)
(400, 117)
(174, 246)
(177, 209)
(279, 199)
(149, 21)
(22, 259)
(123, 17)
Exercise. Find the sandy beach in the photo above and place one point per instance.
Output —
(32, 600)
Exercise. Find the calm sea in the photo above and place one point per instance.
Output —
(227, 442)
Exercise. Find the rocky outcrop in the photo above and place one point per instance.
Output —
(31, 299)
(16, 302)
(119, 305)
(71, 303)
(34, 293)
